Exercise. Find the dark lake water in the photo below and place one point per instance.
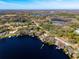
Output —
(27, 47)
(59, 21)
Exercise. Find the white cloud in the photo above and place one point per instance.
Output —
(40, 5)
(59, 0)
(55, 5)
(6, 5)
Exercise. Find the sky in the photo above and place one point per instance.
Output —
(39, 4)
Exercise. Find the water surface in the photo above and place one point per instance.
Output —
(27, 47)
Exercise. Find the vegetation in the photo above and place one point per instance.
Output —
(24, 23)
(14, 21)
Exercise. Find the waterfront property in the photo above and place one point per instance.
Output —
(77, 31)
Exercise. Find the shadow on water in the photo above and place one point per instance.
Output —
(27, 47)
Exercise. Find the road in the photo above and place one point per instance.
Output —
(58, 39)
(75, 51)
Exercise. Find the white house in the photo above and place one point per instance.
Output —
(77, 31)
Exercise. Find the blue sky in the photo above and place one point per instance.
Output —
(39, 4)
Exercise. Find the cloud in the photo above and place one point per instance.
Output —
(6, 5)
(40, 5)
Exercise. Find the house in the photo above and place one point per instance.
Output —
(77, 31)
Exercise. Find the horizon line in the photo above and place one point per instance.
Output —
(39, 9)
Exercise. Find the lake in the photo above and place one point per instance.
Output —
(28, 47)
(59, 22)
